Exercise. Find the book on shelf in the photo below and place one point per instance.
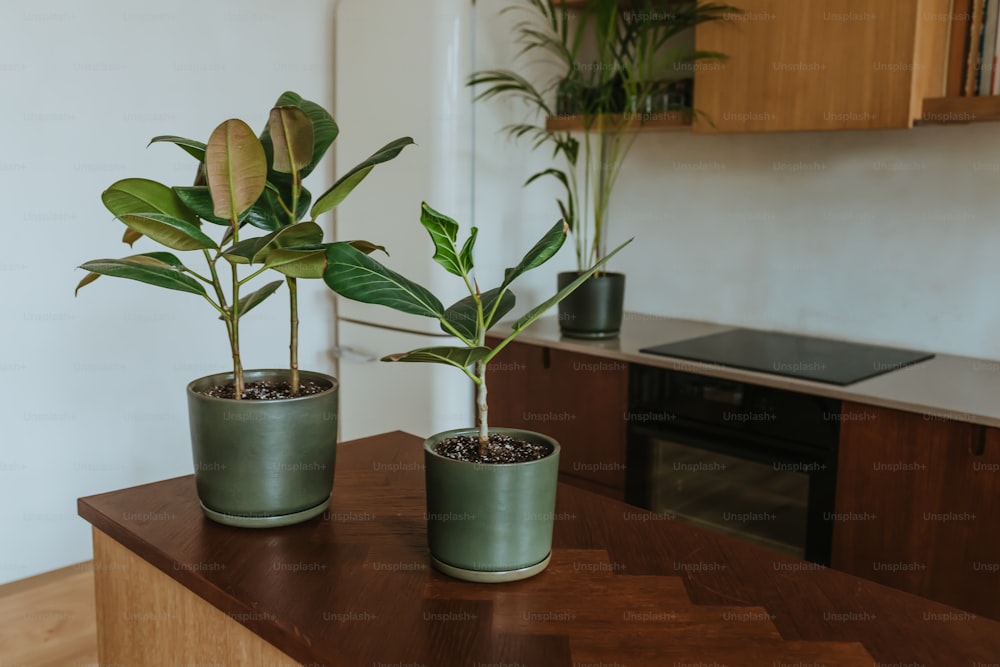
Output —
(958, 47)
(988, 46)
(975, 38)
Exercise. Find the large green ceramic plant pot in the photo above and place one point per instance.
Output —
(595, 309)
(263, 463)
(490, 522)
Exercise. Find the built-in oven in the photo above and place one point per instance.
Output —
(753, 462)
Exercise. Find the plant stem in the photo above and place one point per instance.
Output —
(481, 406)
(293, 345)
(238, 383)
(484, 429)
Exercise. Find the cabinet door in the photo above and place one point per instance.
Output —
(579, 400)
(829, 65)
(918, 506)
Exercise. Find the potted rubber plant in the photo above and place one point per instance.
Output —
(614, 70)
(263, 441)
(490, 491)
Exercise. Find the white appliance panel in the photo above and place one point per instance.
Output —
(401, 70)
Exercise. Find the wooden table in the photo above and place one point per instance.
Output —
(626, 588)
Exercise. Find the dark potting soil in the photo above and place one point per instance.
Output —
(262, 390)
(501, 449)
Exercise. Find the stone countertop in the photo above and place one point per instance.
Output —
(949, 387)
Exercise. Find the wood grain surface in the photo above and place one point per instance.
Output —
(626, 587)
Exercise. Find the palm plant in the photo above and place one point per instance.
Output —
(628, 56)
(242, 180)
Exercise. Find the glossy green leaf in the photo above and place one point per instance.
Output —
(169, 231)
(141, 195)
(291, 138)
(198, 198)
(236, 167)
(339, 191)
(460, 357)
(250, 301)
(130, 236)
(150, 258)
(145, 270)
(465, 256)
(444, 233)
(540, 253)
(298, 262)
(266, 213)
(244, 251)
(195, 149)
(367, 247)
(324, 128)
(538, 311)
(462, 315)
(301, 234)
(353, 274)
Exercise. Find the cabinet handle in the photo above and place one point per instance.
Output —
(546, 358)
(978, 446)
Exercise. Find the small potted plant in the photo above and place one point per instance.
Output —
(264, 441)
(490, 491)
(611, 68)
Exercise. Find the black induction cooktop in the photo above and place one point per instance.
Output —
(803, 357)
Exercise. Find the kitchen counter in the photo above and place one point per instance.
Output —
(946, 387)
(625, 587)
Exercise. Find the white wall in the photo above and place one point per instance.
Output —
(889, 237)
(92, 389)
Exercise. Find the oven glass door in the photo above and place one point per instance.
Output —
(761, 502)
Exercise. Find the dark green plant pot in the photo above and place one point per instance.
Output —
(490, 523)
(595, 309)
(263, 463)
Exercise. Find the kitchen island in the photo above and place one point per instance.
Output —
(354, 588)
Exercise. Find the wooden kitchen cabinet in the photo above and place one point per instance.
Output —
(829, 65)
(579, 400)
(918, 506)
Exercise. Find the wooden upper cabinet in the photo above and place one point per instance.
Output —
(821, 65)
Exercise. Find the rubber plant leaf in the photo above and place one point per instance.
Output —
(540, 253)
(164, 258)
(462, 315)
(250, 301)
(195, 149)
(198, 198)
(236, 168)
(444, 233)
(169, 231)
(141, 195)
(354, 275)
(145, 270)
(309, 261)
(291, 137)
(256, 250)
(460, 357)
(325, 129)
(538, 311)
(338, 192)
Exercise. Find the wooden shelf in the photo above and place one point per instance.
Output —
(948, 110)
(662, 121)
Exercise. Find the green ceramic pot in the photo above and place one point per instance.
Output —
(490, 522)
(263, 463)
(595, 309)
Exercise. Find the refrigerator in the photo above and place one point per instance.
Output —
(401, 68)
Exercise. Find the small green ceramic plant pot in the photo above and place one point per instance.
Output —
(490, 522)
(595, 309)
(263, 463)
